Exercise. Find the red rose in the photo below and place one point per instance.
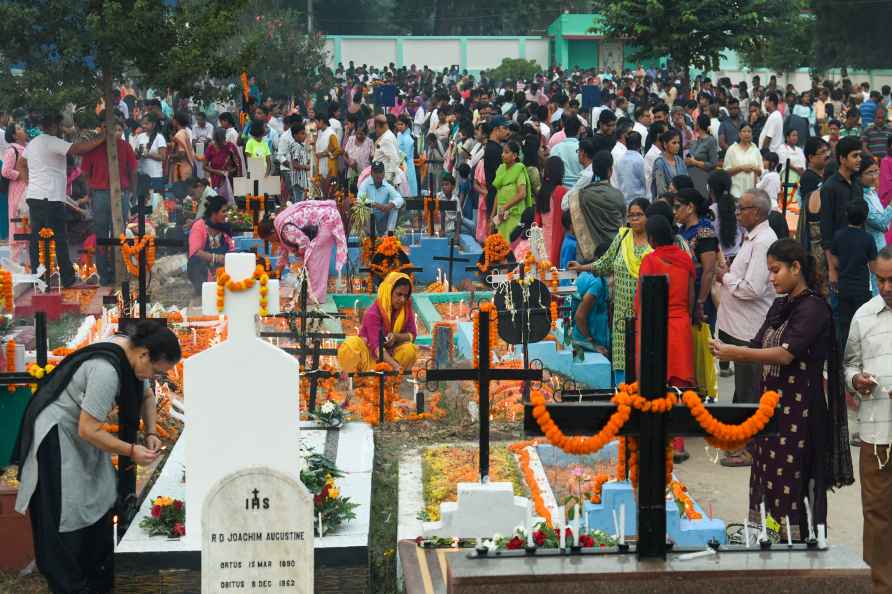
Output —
(178, 505)
(586, 541)
(179, 529)
(539, 538)
(317, 499)
(156, 511)
(324, 492)
(515, 543)
(568, 534)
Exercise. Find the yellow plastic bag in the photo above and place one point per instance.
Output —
(704, 362)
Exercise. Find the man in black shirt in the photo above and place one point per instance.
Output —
(854, 256)
(492, 158)
(841, 188)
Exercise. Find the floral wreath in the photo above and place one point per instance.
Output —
(44, 259)
(6, 293)
(388, 257)
(130, 253)
(495, 249)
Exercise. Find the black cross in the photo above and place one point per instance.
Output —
(483, 374)
(142, 279)
(255, 493)
(584, 418)
(268, 205)
(451, 259)
(445, 205)
(46, 248)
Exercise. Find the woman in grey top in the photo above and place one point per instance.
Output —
(703, 154)
(67, 480)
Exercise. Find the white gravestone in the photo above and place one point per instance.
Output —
(258, 534)
(242, 397)
(267, 184)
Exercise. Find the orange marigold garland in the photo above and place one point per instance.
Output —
(680, 492)
(495, 249)
(554, 297)
(428, 212)
(598, 487)
(579, 444)
(490, 308)
(523, 455)
(733, 434)
(225, 282)
(389, 247)
(48, 261)
(10, 362)
(130, 253)
(6, 290)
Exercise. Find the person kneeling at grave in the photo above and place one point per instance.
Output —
(64, 452)
(384, 200)
(392, 313)
(210, 238)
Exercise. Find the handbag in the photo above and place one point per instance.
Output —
(704, 362)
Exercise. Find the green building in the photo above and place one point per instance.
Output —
(576, 40)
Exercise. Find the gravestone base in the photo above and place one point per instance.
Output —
(836, 570)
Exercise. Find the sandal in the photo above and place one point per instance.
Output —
(736, 461)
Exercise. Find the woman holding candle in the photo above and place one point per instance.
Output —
(391, 313)
(810, 452)
(309, 229)
(68, 483)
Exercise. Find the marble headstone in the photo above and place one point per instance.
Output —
(257, 528)
(242, 397)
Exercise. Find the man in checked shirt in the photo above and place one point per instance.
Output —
(869, 372)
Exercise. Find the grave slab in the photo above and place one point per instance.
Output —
(423, 249)
(479, 510)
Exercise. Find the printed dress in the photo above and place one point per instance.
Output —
(785, 463)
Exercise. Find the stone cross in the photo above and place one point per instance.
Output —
(256, 181)
(243, 394)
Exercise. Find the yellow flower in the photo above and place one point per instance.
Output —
(163, 501)
(333, 493)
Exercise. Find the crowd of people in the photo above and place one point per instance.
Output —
(627, 174)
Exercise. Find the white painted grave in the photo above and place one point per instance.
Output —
(242, 397)
(266, 184)
(257, 531)
(481, 509)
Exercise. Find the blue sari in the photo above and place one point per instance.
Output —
(407, 147)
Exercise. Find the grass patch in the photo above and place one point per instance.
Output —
(384, 513)
(443, 467)
(10, 583)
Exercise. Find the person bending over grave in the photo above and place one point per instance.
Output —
(810, 453)
(210, 238)
(384, 200)
(392, 312)
(309, 229)
(64, 452)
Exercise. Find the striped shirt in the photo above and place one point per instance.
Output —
(876, 138)
(869, 350)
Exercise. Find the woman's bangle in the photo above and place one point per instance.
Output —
(131, 451)
(148, 433)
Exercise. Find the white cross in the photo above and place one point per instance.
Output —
(267, 184)
(240, 307)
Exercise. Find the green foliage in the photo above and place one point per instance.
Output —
(782, 46)
(60, 49)
(287, 61)
(692, 32)
(853, 34)
(514, 69)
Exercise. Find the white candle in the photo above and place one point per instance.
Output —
(789, 534)
(440, 275)
(763, 534)
(320, 525)
(822, 536)
(746, 533)
(811, 530)
(530, 541)
(461, 308)
(451, 307)
(622, 524)
(576, 525)
(585, 518)
(615, 524)
(415, 390)
(561, 523)
(115, 533)
(339, 279)
(356, 307)
(350, 382)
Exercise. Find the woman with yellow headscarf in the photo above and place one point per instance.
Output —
(391, 313)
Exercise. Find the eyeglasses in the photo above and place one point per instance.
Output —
(635, 215)
(740, 209)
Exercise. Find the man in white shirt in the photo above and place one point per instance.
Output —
(772, 135)
(386, 149)
(45, 159)
(202, 136)
(619, 149)
(643, 120)
(746, 297)
(657, 129)
(868, 369)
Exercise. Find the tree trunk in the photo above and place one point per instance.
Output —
(114, 173)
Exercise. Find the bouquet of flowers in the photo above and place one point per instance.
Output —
(318, 477)
(330, 415)
(168, 518)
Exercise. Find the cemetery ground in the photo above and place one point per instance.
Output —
(724, 490)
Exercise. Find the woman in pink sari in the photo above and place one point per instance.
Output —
(885, 184)
(181, 156)
(16, 173)
(223, 163)
(309, 228)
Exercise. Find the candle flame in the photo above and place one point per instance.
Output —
(115, 520)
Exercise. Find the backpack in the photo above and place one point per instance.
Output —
(4, 181)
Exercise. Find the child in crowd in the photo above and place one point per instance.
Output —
(853, 256)
(447, 193)
(770, 180)
(590, 305)
(468, 199)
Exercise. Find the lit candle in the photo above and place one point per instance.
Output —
(822, 536)
(350, 383)
(622, 524)
(811, 530)
(746, 533)
(763, 534)
(451, 307)
(530, 541)
(115, 533)
(194, 336)
(789, 533)
(461, 308)
(356, 307)
(561, 522)
(576, 525)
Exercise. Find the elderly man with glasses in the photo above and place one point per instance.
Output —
(746, 296)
